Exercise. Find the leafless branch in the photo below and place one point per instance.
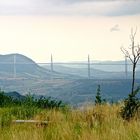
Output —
(133, 54)
(126, 53)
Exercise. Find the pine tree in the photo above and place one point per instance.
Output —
(98, 99)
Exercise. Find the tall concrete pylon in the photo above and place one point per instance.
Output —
(126, 69)
(89, 75)
(51, 63)
(15, 71)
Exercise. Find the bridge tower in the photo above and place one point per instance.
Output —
(14, 64)
(89, 75)
(51, 63)
(126, 69)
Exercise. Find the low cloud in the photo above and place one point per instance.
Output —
(115, 28)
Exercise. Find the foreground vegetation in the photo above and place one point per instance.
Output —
(100, 122)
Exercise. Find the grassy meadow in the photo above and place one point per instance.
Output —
(100, 122)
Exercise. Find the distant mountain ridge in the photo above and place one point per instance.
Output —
(15, 95)
(24, 67)
(70, 84)
(27, 68)
(95, 73)
(19, 58)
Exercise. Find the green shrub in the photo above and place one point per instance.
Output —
(30, 102)
(131, 105)
(5, 100)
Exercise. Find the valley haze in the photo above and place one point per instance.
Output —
(67, 83)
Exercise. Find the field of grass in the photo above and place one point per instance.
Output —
(88, 123)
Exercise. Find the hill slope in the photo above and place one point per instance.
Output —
(95, 72)
(24, 67)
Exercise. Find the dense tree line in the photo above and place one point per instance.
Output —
(29, 101)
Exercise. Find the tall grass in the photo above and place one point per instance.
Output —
(101, 122)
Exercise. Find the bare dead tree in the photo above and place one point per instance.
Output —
(133, 53)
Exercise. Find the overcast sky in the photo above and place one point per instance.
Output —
(69, 29)
(70, 7)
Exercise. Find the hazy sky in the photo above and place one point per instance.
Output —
(69, 29)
